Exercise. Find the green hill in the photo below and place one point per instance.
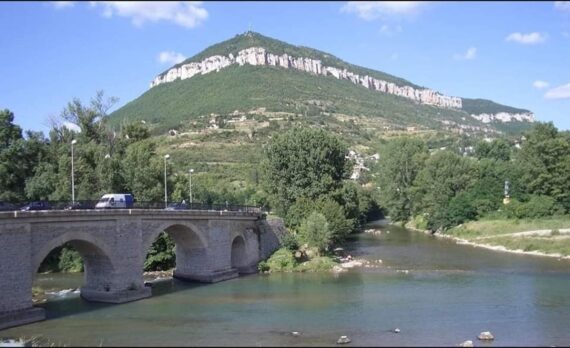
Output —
(222, 119)
(178, 104)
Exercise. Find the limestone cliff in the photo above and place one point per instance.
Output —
(259, 56)
(504, 117)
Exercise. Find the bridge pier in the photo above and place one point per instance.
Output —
(16, 306)
(207, 277)
(117, 296)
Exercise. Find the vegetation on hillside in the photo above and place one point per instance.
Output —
(178, 104)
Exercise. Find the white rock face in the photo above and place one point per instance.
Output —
(504, 117)
(259, 56)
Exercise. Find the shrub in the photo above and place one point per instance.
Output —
(315, 232)
(281, 260)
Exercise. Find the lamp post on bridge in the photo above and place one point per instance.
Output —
(167, 156)
(190, 185)
(73, 142)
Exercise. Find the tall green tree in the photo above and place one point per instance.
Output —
(444, 175)
(303, 162)
(400, 162)
(545, 159)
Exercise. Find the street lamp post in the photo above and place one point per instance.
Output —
(190, 185)
(73, 142)
(165, 189)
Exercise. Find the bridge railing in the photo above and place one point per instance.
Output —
(90, 205)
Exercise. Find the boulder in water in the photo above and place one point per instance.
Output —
(486, 336)
(343, 340)
(466, 344)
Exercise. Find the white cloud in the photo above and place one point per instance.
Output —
(62, 4)
(369, 10)
(468, 55)
(187, 14)
(170, 57)
(71, 126)
(538, 84)
(562, 5)
(390, 30)
(560, 92)
(526, 39)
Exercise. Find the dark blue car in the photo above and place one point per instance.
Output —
(37, 205)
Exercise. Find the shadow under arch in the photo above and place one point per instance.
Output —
(97, 260)
(239, 254)
(190, 248)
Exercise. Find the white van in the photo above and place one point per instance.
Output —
(115, 200)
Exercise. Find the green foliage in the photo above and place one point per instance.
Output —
(161, 256)
(70, 260)
(143, 171)
(545, 157)
(290, 241)
(315, 232)
(444, 175)
(338, 224)
(281, 261)
(253, 39)
(400, 163)
(303, 162)
(498, 149)
(317, 264)
(62, 259)
(484, 106)
(536, 207)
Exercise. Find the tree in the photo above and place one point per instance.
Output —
(545, 159)
(143, 171)
(444, 175)
(498, 149)
(399, 164)
(314, 231)
(303, 162)
(9, 132)
(91, 119)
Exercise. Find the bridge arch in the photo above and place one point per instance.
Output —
(96, 255)
(190, 247)
(239, 253)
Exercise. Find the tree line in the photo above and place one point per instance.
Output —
(443, 188)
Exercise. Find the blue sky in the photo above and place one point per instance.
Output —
(515, 53)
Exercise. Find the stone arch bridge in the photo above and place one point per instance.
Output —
(211, 246)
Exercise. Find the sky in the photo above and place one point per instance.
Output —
(514, 53)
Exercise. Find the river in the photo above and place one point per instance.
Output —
(434, 291)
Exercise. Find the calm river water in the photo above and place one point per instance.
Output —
(436, 292)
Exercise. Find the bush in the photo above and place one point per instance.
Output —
(315, 232)
(536, 207)
(70, 260)
(281, 261)
(289, 241)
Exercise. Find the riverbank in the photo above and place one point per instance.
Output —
(548, 237)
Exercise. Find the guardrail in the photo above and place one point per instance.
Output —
(90, 205)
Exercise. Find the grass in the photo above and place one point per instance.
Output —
(546, 245)
(484, 228)
(497, 232)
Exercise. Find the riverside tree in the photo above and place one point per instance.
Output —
(399, 164)
(303, 162)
